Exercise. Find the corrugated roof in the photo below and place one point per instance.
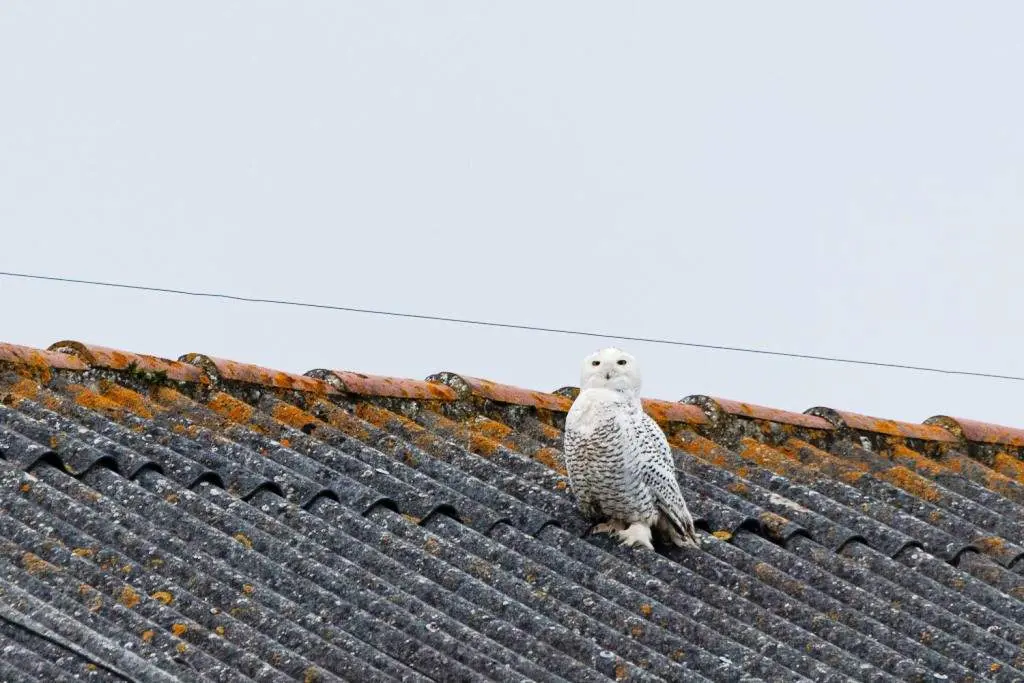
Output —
(203, 518)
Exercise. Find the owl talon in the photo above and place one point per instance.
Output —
(638, 533)
(610, 527)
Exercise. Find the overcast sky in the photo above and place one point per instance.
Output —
(840, 179)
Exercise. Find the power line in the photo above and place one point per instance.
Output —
(514, 326)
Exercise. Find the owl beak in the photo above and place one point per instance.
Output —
(607, 375)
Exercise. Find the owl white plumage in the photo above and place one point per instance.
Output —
(619, 462)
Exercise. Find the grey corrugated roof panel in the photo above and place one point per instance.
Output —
(23, 452)
(538, 498)
(692, 593)
(963, 641)
(20, 432)
(473, 600)
(698, 624)
(49, 610)
(128, 462)
(164, 554)
(816, 610)
(311, 588)
(39, 659)
(963, 532)
(415, 493)
(443, 611)
(869, 563)
(482, 483)
(176, 466)
(158, 571)
(143, 616)
(687, 641)
(848, 604)
(997, 596)
(1006, 508)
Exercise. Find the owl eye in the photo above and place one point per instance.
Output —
(595, 363)
(622, 362)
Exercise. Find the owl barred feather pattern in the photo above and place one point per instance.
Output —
(619, 462)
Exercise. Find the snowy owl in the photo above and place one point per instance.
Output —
(619, 463)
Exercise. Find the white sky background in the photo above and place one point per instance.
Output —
(837, 179)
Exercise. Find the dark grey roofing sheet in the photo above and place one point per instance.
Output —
(178, 540)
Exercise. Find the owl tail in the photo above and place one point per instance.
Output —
(677, 524)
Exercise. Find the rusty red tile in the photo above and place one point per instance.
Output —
(376, 385)
(26, 355)
(773, 414)
(505, 393)
(115, 359)
(254, 374)
(907, 430)
(982, 432)
(670, 411)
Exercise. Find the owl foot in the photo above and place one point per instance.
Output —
(609, 527)
(638, 533)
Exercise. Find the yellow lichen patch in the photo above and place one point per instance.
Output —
(312, 675)
(25, 388)
(776, 460)
(739, 488)
(432, 546)
(411, 518)
(705, 449)
(636, 631)
(383, 418)
(37, 565)
(722, 535)
(163, 596)
(765, 571)
(551, 458)
(561, 484)
(128, 597)
(990, 544)
(172, 498)
(181, 648)
(95, 604)
(126, 398)
(230, 407)
(220, 630)
(25, 488)
(482, 445)
(910, 482)
(851, 476)
(172, 398)
(294, 416)
(83, 552)
(492, 429)
(1009, 466)
(243, 539)
(248, 589)
(179, 629)
(917, 461)
(995, 667)
(621, 672)
(93, 401)
(147, 635)
(646, 609)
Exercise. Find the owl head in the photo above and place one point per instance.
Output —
(610, 369)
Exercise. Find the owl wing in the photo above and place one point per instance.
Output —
(660, 474)
(572, 446)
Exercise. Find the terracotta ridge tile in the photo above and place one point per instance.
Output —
(219, 369)
(39, 358)
(877, 425)
(383, 386)
(754, 411)
(115, 359)
(466, 386)
(981, 432)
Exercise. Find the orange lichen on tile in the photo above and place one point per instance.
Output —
(230, 407)
(551, 458)
(392, 387)
(89, 399)
(705, 449)
(179, 629)
(505, 393)
(1009, 466)
(37, 565)
(491, 428)
(824, 462)
(163, 596)
(910, 482)
(982, 432)
(147, 635)
(772, 459)
(919, 462)
(341, 420)
(990, 545)
(293, 416)
(25, 388)
(128, 399)
(128, 597)
(39, 361)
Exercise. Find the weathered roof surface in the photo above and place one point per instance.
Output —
(209, 519)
